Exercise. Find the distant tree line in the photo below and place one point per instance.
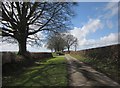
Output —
(61, 41)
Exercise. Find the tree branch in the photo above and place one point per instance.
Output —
(46, 22)
(18, 9)
(32, 9)
(7, 34)
(38, 15)
(5, 29)
(9, 14)
(6, 18)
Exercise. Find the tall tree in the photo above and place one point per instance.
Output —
(56, 42)
(70, 41)
(23, 20)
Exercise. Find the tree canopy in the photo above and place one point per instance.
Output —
(23, 20)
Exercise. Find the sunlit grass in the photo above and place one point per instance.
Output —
(51, 72)
(54, 54)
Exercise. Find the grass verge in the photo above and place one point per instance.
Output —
(50, 72)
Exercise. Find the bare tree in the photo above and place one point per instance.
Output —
(59, 42)
(56, 42)
(75, 44)
(23, 20)
(70, 41)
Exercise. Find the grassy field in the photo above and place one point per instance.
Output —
(50, 72)
(104, 66)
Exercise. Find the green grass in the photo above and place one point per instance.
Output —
(105, 66)
(57, 53)
(51, 72)
(54, 54)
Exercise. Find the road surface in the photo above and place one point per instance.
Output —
(80, 74)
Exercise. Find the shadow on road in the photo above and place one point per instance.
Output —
(82, 75)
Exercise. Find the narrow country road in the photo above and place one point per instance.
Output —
(83, 75)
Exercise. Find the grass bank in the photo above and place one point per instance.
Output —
(48, 72)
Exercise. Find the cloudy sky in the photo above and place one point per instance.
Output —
(95, 25)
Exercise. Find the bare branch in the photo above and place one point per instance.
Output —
(7, 34)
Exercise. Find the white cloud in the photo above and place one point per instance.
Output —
(14, 47)
(35, 27)
(37, 49)
(110, 39)
(111, 9)
(8, 47)
(91, 26)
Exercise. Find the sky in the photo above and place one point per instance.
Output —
(95, 25)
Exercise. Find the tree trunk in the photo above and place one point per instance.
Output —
(68, 49)
(75, 48)
(22, 46)
(28, 59)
